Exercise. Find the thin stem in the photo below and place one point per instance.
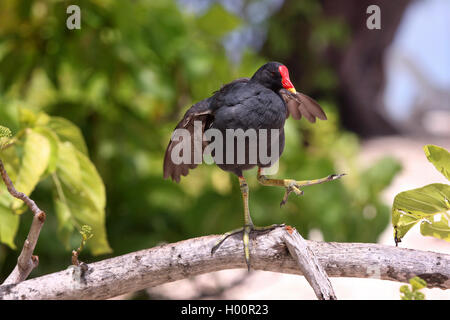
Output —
(26, 261)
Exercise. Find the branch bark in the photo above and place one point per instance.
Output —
(308, 264)
(171, 262)
(26, 261)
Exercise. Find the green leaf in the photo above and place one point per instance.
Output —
(413, 293)
(27, 118)
(35, 160)
(5, 132)
(407, 294)
(423, 204)
(417, 283)
(440, 158)
(81, 196)
(86, 232)
(54, 143)
(439, 228)
(93, 186)
(424, 201)
(11, 162)
(404, 224)
(69, 132)
(217, 21)
(65, 221)
(68, 166)
(5, 135)
(42, 119)
(419, 296)
(9, 224)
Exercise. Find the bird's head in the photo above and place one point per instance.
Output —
(274, 75)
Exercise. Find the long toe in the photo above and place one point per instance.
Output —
(246, 230)
(223, 238)
(246, 237)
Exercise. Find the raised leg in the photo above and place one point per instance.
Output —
(293, 185)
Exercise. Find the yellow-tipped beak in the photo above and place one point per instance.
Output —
(292, 90)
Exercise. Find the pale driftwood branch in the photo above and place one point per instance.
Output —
(26, 261)
(170, 262)
(308, 264)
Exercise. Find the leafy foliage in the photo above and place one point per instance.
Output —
(5, 134)
(429, 205)
(86, 234)
(413, 293)
(440, 158)
(44, 150)
(8, 226)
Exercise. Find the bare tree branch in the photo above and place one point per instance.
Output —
(309, 264)
(171, 262)
(26, 261)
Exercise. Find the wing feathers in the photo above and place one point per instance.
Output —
(198, 112)
(299, 104)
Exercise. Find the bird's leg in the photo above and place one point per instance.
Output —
(248, 225)
(293, 185)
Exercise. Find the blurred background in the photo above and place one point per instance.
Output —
(134, 68)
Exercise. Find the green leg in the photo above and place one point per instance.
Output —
(293, 185)
(248, 225)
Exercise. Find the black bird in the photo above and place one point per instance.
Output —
(264, 101)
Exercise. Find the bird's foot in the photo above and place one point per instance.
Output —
(294, 185)
(290, 186)
(246, 236)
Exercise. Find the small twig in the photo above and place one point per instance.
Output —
(75, 260)
(26, 261)
(309, 264)
(86, 234)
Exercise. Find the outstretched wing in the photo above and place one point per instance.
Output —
(299, 104)
(198, 112)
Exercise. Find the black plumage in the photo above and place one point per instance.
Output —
(261, 102)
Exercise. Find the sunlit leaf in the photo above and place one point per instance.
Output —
(439, 228)
(42, 119)
(413, 293)
(440, 158)
(9, 224)
(35, 160)
(53, 141)
(81, 196)
(68, 167)
(417, 283)
(27, 118)
(12, 163)
(422, 204)
(67, 131)
(5, 134)
(64, 216)
(92, 182)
